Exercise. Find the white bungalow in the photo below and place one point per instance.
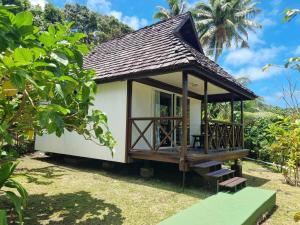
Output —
(154, 85)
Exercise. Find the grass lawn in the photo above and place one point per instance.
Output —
(84, 193)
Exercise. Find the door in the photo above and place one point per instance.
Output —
(163, 108)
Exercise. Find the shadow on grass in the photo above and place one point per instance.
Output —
(40, 176)
(166, 175)
(71, 208)
(255, 181)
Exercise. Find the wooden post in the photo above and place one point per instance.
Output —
(232, 124)
(242, 122)
(205, 118)
(182, 163)
(154, 135)
(128, 117)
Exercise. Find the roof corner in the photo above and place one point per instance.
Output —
(188, 24)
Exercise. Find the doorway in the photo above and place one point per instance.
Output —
(169, 105)
(163, 108)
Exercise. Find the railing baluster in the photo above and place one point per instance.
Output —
(225, 136)
(153, 122)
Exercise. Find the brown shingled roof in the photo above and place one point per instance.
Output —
(151, 48)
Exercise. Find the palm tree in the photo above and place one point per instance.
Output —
(221, 23)
(176, 7)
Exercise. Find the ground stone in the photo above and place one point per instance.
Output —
(146, 172)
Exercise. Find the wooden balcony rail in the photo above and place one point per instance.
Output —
(225, 135)
(222, 135)
(155, 125)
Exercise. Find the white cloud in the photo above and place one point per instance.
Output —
(131, 21)
(105, 7)
(101, 6)
(275, 99)
(116, 14)
(255, 38)
(281, 98)
(256, 72)
(252, 57)
(41, 3)
(266, 22)
(134, 21)
(297, 51)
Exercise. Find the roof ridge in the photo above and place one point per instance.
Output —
(188, 13)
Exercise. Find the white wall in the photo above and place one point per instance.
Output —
(142, 106)
(111, 99)
(195, 117)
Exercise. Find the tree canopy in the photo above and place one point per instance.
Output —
(222, 23)
(44, 89)
(97, 27)
(176, 7)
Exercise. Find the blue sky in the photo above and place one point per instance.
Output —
(274, 43)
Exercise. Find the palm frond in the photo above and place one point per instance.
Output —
(223, 22)
(162, 14)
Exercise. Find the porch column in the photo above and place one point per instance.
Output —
(242, 122)
(128, 117)
(182, 162)
(232, 123)
(205, 118)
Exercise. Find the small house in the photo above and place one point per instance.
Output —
(155, 85)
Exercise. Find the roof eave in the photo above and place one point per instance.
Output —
(194, 68)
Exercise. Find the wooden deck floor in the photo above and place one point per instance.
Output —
(193, 155)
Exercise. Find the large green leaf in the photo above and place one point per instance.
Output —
(18, 203)
(3, 220)
(23, 19)
(60, 57)
(10, 183)
(46, 39)
(59, 91)
(6, 170)
(8, 61)
(23, 56)
(18, 80)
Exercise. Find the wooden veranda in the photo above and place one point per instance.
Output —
(219, 140)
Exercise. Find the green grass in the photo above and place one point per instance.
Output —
(87, 194)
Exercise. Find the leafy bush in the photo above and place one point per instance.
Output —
(286, 146)
(256, 136)
(44, 89)
(7, 184)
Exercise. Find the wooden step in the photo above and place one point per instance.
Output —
(224, 183)
(214, 178)
(220, 173)
(233, 183)
(207, 164)
(206, 167)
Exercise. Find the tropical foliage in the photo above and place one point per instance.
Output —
(286, 146)
(97, 27)
(44, 89)
(256, 138)
(221, 23)
(7, 184)
(293, 62)
(176, 7)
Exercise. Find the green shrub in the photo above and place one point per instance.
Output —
(256, 137)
